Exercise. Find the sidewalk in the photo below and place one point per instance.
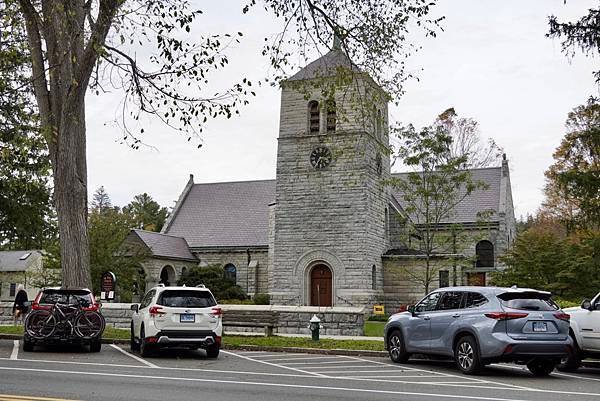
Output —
(234, 333)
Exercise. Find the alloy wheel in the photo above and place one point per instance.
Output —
(465, 355)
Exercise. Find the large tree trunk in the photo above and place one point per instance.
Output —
(70, 194)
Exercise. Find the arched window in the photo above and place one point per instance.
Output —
(485, 254)
(230, 272)
(183, 270)
(167, 276)
(379, 125)
(331, 116)
(373, 277)
(314, 118)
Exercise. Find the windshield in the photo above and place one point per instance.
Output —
(528, 301)
(186, 299)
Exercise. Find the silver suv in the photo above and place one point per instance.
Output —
(480, 325)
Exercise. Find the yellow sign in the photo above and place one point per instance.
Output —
(378, 310)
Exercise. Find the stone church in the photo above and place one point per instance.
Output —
(327, 231)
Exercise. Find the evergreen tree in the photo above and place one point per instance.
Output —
(146, 213)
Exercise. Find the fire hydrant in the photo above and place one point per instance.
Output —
(315, 326)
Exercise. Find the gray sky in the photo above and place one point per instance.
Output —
(492, 63)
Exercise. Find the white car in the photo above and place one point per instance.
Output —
(177, 317)
(585, 333)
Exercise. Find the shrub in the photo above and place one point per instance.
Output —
(213, 278)
(262, 299)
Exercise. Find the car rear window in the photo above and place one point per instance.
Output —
(186, 299)
(528, 301)
(66, 297)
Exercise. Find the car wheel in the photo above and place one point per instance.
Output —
(573, 361)
(541, 367)
(27, 345)
(144, 346)
(96, 345)
(212, 351)
(133, 345)
(466, 354)
(396, 347)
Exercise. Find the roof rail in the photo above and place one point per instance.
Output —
(200, 286)
(161, 285)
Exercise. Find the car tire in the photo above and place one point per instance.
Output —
(96, 345)
(573, 361)
(397, 348)
(467, 357)
(144, 346)
(212, 351)
(27, 345)
(133, 344)
(541, 367)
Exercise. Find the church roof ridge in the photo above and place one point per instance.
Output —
(233, 182)
(325, 66)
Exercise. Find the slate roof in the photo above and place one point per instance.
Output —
(478, 201)
(226, 214)
(325, 66)
(165, 246)
(10, 261)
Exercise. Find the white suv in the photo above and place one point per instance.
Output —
(585, 332)
(177, 317)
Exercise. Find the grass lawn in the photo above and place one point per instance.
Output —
(374, 329)
(274, 341)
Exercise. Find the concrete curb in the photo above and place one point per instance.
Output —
(322, 351)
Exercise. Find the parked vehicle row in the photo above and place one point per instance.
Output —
(481, 325)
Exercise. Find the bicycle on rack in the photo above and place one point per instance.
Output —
(64, 316)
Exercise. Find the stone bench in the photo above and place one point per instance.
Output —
(254, 319)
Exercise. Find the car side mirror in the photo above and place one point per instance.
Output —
(586, 304)
(135, 307)
(411, 309)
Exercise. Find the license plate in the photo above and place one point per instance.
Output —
(187, 318)
(539, 327)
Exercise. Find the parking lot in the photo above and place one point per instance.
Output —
(115, 374)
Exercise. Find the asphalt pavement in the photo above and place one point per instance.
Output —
(117, 374)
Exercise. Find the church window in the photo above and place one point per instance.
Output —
(230, 272)
(314, 117)
(387, 223)
(374, 278)
(444, 278)
(331, 116)
(485, 254)
(379, 125)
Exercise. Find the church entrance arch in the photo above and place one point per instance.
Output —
(321, 280)
(167, 276)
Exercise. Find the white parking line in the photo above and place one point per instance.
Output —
(265, 384)
(462, 377)
(334, 367)
(317, 362)
(553, 373)
(145, 362)
(15, 350)
(314, 358)
(271, 364)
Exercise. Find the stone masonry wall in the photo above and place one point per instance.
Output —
(293, 320)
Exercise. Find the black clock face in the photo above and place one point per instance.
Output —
(320, 157)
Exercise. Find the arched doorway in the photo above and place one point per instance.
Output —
(321, 290)
(167, 276)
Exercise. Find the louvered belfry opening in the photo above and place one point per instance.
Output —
(314, 120)
(331, 116)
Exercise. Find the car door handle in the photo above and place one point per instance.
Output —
(426, 318)
(456, 315)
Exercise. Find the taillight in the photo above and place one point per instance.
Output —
(156, 311)
(562, 316)
(216, 312)
(506, 315)
(218, 340)
(35, 305)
